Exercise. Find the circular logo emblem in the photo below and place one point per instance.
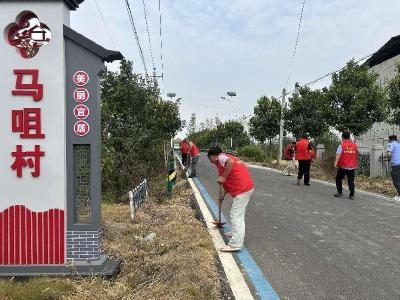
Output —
(81, 128)
(81, 95)
(81, 112)
(81, 78)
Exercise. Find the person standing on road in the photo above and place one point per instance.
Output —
(346, 164)
(185, 152)
(234, 179)
(195, 156)
(289, 156)
(393, 153)
(303, 156)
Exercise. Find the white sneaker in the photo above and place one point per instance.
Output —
(396, 199)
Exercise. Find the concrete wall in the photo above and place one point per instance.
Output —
(378, 135)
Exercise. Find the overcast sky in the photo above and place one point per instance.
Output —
(215, 46)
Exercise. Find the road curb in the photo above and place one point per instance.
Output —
(237, 283)
(235, 278)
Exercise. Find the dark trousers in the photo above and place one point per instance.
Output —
(340, 175)
(304, 170)
(396, 178)
(185, 157)
(193, 163)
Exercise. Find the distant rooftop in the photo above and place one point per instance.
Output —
(104, 54)
(73, 4)
(387, 51)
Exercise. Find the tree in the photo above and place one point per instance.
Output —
(355, 100)
(217, 121)
(264, 125)
(232, 129)
(305, 113)
(209, 123)
(136, 123)
(221, 135)
(192, 127)
(393, 92)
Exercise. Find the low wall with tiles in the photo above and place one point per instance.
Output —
(83, 245)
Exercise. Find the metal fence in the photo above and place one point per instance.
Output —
(364, 164)
(384, 165)
(137, 197)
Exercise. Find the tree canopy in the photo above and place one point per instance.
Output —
(393, 90)
(355, 101)
(221, 135)
(264, 125)
(305, 113)
(136, 123)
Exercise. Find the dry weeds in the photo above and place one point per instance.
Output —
(179, 263)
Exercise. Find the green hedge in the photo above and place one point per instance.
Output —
(253, 152)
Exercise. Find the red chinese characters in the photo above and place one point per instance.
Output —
(81, 95)
(33, 88)
(28, 123)
(81, 78)
(81, 111)
(81, 128)
(29, 159)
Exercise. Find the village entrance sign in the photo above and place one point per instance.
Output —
(50, 133)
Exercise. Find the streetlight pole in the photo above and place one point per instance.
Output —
(230, 94)
(281, 128)
(230, 106)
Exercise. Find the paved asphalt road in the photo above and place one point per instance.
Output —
(311, 245)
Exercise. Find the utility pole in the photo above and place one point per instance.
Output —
(281, 128)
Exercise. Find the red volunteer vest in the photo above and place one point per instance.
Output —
(287, 154)
(302, 152)
(194, 151)
(348, 159)
(239, 180)
(184, 148)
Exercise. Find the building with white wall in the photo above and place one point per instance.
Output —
(384, 63)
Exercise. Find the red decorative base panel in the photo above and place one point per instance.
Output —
(31, 238)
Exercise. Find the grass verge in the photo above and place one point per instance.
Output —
(166, 254)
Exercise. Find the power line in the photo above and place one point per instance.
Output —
(210, 106)
(295, 45)
(128, 8)
(104, 22)
(148, 34)
(328, 74)
(161, 45)
(331, 73)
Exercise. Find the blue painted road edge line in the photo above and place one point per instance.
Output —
(263, 288)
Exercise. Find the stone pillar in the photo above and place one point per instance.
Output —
(320, 151)
(375, 163)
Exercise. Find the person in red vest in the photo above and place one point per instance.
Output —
(289, 156)
(185, 152)
(234, 179)
(303, 156)
(195, 156)
(346, 164)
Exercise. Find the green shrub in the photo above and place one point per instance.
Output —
(253, 152)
